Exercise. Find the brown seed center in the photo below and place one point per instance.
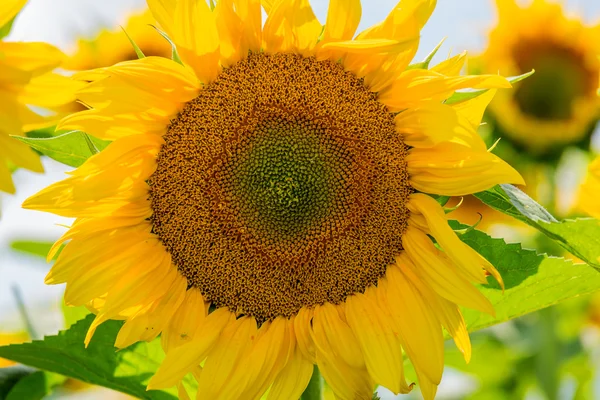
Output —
(282, 185)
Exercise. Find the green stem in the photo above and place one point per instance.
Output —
(23, 311)
(313, 390)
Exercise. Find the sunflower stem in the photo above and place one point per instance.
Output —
(313, 390)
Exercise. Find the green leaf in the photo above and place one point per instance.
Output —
(39, 249)
(71, 148)
(35, 386)
(127, 370)
(580, 237)
(465, 95)
(10, 376)
(531, 281)
(73, 314)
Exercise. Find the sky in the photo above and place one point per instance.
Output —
(463, 23)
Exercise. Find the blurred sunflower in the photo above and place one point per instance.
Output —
(264, 205)
(557, 106)
(26, 80)
(112, 46)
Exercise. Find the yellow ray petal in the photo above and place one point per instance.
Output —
(455, 170)
(9, 9)
(347, 382)
(343, 18)
(35, 58)
(434, 123)
(185, 321)
(420, 331)
(293, 378)
(148, 325)
(442, 276)
(163, 12)
(20, 154)
(236, 340)
(197, 38)
(416, 86)
(327, 323)
(473, 109)
(183, 359)
(451, 66)
(302, 323)
(462, 255)
(446, 312)
(271, 351)
(6, 183)
(381, 348)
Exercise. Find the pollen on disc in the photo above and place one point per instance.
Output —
(282, 185)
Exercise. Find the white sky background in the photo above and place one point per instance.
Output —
(60, 22)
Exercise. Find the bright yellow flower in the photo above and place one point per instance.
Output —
(279, 177)
(558, 104)
(112, 46)
(26, 80)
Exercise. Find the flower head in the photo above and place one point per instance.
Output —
(556, 106)
(280, 179)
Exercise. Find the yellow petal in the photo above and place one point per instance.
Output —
(327, 323)
(9, 9)
(163, 12)
(381, 348)
(416, 86)
(197, 38)
(302, 323)
(473, 109)
(451, 66)
(270, 353)
(343, 18)
(441, 275)
(348, 382)
(291, 26)
(235, 341)
(419, 329)
(148, 325)
(434, 123)
(462, 255)
(183, 359)
(35, 58)
(457, 170)
(293, 378)
(446, 312)
(185, 321)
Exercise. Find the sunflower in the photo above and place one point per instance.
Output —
(557, 106)
(26, 80)
(112, 46)
(264, 207)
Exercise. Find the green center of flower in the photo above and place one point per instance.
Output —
(289, 178)
(560, 78)
(282, 185)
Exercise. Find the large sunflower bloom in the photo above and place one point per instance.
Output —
(26, 80)
(558, 105)
(111, 46)
(279, 180)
